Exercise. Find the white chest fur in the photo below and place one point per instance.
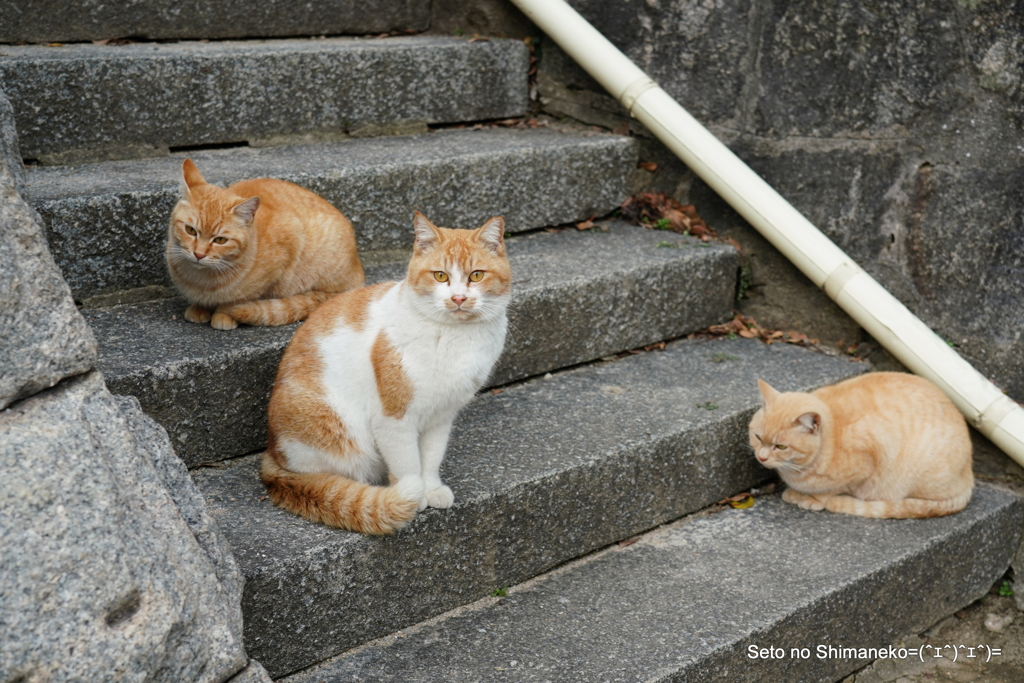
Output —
(446, 362)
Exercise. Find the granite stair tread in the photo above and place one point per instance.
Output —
(577, 296)
(543, 472)
(104, 101)
(47, 21)
(715, 597)
(107, 222)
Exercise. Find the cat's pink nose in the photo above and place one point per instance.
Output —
(458, 299)
(762, 459)
(200, 255)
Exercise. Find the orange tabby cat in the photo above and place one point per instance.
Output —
(371, 383)
(261, 252)
(884, 444)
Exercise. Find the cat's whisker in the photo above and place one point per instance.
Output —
(790, 467)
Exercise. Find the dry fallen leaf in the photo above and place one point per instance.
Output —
(740, 500)
(648, 166)
(658, 210)
(586, 225)
(745, 326)
(746, 502)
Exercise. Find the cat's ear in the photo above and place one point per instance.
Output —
(427, 234)
(809, 422)
(492, 235)
(768, 394)
(190, 176)
(246, 211)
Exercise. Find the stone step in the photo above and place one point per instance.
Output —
(47, 21)
(543, 472)
(107, 223)
(94, 102)
(733, 596)
(577, 296)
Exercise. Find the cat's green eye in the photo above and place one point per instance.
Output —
(440, 276)
(781, 446)
(190, 230)
(476, 276)
(220, 240)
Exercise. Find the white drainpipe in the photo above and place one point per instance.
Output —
(911, 341)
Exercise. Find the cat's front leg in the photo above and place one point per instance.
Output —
(433, 443)
(396, 442)
(804, 500)
(197, 314)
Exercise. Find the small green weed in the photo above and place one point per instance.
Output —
(707, 405)
(722, 357)
(745, 282)
(500, 592)
(1006, 589)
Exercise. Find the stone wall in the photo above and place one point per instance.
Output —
(896, 126)
(112, 568)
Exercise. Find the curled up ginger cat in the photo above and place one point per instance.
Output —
(371, 383)
(261, 252)
(884, 444)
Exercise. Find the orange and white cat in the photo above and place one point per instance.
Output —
(884, 444)
(261, 252)
(371, 383)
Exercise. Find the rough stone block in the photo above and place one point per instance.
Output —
(853, 68)
(894, 126)
(479, 17)
(958, 265)
(105, 100)
(653, 436)
(577, 296)
(687, 602)
(152, 442)
(254, 673)
(966, 263)
(992, 42)
(44, 21)
(43, 338)
(696, 51)
(10, 154)
(107, 223)
(102, 570)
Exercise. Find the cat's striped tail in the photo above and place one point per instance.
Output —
(339, 501)
(905, 508)
(271, 312)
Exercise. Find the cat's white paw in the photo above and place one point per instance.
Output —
(219, 321)
(411, 487)
(440, 497)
